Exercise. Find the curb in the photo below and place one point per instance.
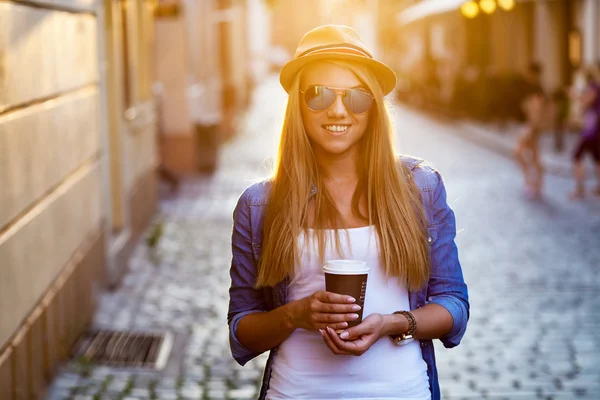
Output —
(496, 142)
(483, 137)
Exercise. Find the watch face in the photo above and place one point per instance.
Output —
(406, 340)
(402, 339)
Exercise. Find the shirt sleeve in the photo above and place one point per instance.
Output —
(244, 299)
(446, 284)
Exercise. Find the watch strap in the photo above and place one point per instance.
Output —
(407, 336)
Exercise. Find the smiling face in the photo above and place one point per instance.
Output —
(334, 131)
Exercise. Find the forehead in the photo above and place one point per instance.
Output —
(328, 74)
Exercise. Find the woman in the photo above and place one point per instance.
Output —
(339, 191)
(589, 141)
(526, 151)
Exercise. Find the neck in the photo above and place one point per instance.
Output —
(340, 168)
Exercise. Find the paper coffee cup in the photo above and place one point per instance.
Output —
(348, 277)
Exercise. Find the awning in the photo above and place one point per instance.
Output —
(427, 8)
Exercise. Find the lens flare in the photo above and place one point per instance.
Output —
(506, 5)
(487, 6)
(470, 9)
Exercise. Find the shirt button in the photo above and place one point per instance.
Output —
(422, 344)
(429, 239)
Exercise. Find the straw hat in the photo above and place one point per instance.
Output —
(336, 42)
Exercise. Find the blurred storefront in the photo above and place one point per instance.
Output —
(77, 166)
(209, 55)
(439, 45)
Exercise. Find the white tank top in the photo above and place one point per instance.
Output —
(305, 368)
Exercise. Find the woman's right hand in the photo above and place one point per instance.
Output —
(323, 309)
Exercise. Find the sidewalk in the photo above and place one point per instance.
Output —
(504, 141)
(181, 285)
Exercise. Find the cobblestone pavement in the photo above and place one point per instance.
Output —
(532, 268)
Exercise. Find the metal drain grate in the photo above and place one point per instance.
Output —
(126, 349)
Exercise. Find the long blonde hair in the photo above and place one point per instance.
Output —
(392, 198)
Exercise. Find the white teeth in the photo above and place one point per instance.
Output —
(336, 128)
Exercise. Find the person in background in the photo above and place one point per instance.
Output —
(560, 103)
(526, 152)
(589, 141)
(339, 191)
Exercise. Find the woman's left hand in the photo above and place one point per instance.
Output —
(360, 337)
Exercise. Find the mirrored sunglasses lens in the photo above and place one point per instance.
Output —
(357, 101)
(319, 98)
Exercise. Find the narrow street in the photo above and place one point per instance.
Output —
(531, 267)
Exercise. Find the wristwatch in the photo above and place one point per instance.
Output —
(406, 337)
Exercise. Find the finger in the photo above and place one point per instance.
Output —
(364, 328)
(328, 318)
(342, 346)
(329, 342)
(338, 308)
(340, 326)
(330, 297)
(349, 347)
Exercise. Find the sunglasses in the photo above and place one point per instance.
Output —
(319, 98)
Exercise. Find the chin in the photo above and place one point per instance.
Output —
(337, 150)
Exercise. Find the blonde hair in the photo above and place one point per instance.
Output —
(392, 198)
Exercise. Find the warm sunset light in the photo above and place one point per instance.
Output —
(488, 6)
(470, 9)
(249, 199)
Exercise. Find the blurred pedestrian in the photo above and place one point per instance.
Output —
(339, 192)
(526, 151)
(589, 141)
(560, 105)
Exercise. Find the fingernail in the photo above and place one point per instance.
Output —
(344, 324)
(344, 335)
(355, 307)
(329, 329)
(353, 316)
(322, 332)
(351, 300)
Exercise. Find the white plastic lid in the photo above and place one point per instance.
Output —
(346, 267)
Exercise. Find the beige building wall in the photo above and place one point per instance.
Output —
(77, 138)
(550, 29)
(589, 22)
(173, 74)
(510, 50)
(204, 68)
(128, 121)
(204, 95)
(49, 150)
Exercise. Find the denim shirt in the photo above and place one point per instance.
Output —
(445, 286)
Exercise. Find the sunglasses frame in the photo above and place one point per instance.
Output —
(341, 92)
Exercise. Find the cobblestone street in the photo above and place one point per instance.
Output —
(532, 270)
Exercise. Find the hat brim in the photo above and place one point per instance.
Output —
(385, 75)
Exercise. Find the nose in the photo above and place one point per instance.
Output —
(337, 109)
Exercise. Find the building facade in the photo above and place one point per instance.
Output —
(77, 161)
(561, 35)
(209, 55)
